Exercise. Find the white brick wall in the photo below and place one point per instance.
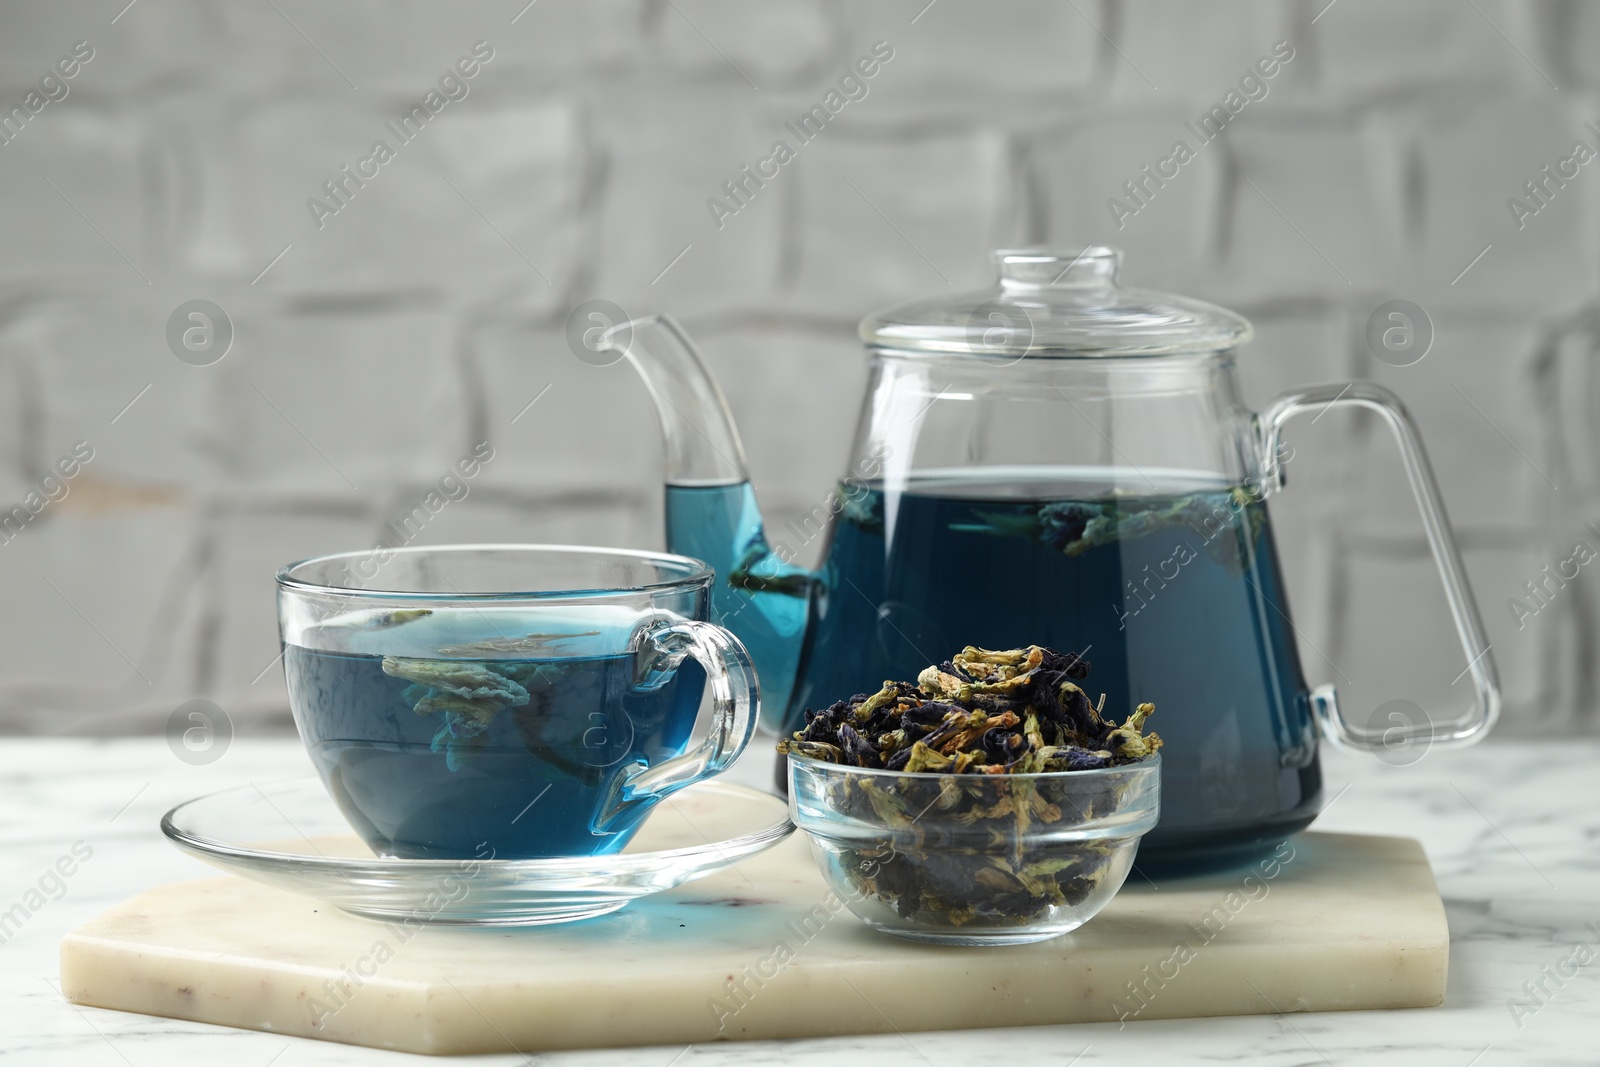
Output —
(428, 312)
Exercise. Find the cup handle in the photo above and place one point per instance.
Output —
(659, 650)
(1475, 722)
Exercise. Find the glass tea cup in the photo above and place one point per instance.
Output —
(513, 701)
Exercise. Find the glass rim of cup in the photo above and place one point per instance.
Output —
(694, 573)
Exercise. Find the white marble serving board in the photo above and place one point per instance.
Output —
(1343, 922)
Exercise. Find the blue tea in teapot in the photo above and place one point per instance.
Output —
(1066, 561)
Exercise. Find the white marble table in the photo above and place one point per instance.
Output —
(1513, 831)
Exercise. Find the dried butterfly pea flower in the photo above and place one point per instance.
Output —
(861, 509)
(526, 645)
(960, 844)
(981, 711)
(1225, 523)
(384, 620)
(467, 695)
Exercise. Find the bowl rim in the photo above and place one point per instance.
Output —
(812, 764)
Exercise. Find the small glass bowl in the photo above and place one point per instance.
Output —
(974, 859)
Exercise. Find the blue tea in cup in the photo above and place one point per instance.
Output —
(514, 701)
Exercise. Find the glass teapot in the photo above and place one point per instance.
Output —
(1066, 462)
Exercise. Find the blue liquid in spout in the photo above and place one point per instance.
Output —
(756, 595)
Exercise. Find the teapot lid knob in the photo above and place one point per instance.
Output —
(1056, 303)
(1096, 267)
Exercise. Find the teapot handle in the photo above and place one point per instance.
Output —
(1474, 724)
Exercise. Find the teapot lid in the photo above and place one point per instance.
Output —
(1054, 303)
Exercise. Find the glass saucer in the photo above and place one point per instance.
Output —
(291, 835)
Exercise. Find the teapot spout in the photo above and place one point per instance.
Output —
(711, 509)
(703, 446)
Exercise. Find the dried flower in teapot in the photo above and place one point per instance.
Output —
(1223, 523)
